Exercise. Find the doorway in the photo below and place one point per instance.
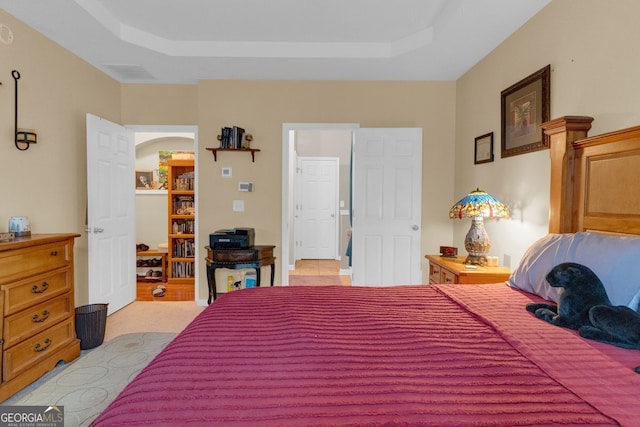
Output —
(154, 145)
(315, 140)
(389, 161)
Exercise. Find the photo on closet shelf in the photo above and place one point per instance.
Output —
(144, 180)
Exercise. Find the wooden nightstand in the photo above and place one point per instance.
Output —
(453, 270)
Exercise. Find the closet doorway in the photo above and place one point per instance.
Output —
(154, 146)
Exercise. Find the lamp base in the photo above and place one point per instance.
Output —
(476, 260)
(477, 243)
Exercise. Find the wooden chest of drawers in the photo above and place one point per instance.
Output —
(37, 306)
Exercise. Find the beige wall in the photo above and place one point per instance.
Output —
(261, 107)
(149, 104)
(48, 181)
(591, 46)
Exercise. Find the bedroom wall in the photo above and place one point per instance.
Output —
(48, 181)
(261, 107)
(589, 44)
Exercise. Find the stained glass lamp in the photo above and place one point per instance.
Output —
(478, 205)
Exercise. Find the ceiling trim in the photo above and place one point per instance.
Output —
(253, 49)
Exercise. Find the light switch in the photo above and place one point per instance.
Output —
(238, 205)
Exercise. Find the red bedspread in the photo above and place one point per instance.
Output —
(401, 356)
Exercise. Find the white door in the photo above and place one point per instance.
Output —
(387, 177)
(317, 207)
(111, 213)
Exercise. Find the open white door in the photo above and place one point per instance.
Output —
(317, 207)
(111, 209)
(387, 182)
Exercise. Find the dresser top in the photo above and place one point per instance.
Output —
(35, 239)
(457, 265)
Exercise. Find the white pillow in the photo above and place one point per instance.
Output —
(612, 259)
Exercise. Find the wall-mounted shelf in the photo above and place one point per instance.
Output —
(246, 150)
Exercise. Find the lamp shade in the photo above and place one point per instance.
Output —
(479, 204)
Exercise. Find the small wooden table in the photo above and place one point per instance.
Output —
(453, 270)
(253, 257)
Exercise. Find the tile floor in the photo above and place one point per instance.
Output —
(319, 267)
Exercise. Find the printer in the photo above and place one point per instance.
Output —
(233, 238)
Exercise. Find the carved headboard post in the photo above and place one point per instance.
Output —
(562, 133)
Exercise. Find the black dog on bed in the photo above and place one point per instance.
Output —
(582, 290)
(585, 306)
(619, 326)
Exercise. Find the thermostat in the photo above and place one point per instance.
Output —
(245, 186)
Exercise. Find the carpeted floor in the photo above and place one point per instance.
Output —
(86, 386)
(301, 280)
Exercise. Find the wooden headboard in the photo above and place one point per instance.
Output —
(594, 181)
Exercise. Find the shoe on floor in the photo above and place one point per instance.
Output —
(159, 291)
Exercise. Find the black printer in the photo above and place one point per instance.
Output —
(233, 238)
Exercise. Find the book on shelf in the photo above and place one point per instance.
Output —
(231, 137)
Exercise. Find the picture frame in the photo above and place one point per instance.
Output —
(144, 180)
(524, 107)
(483, 149)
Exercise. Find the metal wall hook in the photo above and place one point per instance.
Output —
(22, 136)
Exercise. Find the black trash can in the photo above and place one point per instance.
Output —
(91, 322)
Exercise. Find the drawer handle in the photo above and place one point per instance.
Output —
(44, 287)
(39, 348)
(54, 253)
(38, 319)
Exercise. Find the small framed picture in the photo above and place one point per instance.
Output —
(144, 180)
(484, 149)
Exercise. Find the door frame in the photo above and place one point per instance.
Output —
(288, 180)
(199, 299)
(336, 225)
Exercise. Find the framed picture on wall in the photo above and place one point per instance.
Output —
(144, 180)
(525, 106)
(483, 149)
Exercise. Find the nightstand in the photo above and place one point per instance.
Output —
(453, 270)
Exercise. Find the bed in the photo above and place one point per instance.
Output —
(440, 355)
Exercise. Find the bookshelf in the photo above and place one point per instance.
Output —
(181, 240)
